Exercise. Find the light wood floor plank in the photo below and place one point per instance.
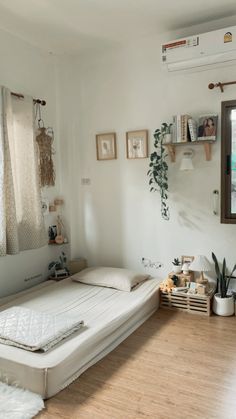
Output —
(177, 365)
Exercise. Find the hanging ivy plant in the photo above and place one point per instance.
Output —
(158, 171)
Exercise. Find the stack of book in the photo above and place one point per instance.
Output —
(184, 129)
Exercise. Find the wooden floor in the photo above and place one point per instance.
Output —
(177, 365)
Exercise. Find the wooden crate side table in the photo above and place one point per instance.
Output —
(192, 303)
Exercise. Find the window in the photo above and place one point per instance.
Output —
(228, 162)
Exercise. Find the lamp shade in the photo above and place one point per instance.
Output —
(200, 264)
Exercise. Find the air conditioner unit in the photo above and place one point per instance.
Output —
(204, 50)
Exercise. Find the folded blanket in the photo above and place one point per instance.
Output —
(33, 330)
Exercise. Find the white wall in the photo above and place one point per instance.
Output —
(116, 220)
(27, 70)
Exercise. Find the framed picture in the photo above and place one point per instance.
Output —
(137, 144)
(207, 127)
(187, 259)
(106, 146)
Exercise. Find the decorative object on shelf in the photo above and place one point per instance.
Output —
(52, 233)
(185, 268)
(59, 239)
(44, 139)
(183, 280)
(106, 146)
(201, 289)
(177, 265)
(58, 269)
(52, 208)
(192, 289)
(187, 160)
(158, 171)
(174, 278)
(207, 127)
(167, 135)
(223, 304)
(58, 201)
(137, 144)
(201, 264)
(167, 285)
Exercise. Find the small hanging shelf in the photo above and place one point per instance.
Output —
(206, 144)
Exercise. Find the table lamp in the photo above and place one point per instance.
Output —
(200, 264)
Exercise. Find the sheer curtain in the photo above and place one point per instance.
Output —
(21, 219)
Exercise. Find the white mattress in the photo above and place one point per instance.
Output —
(109, 315)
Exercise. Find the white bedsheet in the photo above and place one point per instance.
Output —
(109, 315)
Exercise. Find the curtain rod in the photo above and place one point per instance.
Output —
(39, 101)
(220, 85)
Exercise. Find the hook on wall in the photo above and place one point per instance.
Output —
(215, 201)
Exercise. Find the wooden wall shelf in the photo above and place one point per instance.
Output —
(205, 143)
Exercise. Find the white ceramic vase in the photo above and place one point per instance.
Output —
(167, 138)
(223, 306)
(177, 269)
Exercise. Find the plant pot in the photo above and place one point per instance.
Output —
(223, 306)
(177, 269)
(167, 138)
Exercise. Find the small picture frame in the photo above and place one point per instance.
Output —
(207, 127)
(137, 144)
(187, 259)
(106, 146)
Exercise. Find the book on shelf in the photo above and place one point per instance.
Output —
(180, 128)
(192, 125)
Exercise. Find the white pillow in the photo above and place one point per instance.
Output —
(121, 279)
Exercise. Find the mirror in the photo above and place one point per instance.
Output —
(228, 162)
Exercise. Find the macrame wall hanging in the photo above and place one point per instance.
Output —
(44, 138)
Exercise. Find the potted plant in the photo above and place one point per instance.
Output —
(59, 268)
(166, 131)
(177, 265)
(158, 170)
(223, 303)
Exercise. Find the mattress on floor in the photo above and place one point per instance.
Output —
(109, 316)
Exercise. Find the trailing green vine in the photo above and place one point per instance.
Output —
(158, 169)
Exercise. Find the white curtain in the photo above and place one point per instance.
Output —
(21, 219)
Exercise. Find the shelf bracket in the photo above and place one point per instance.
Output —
(207, 147)
(171, 152)
(171, 147)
